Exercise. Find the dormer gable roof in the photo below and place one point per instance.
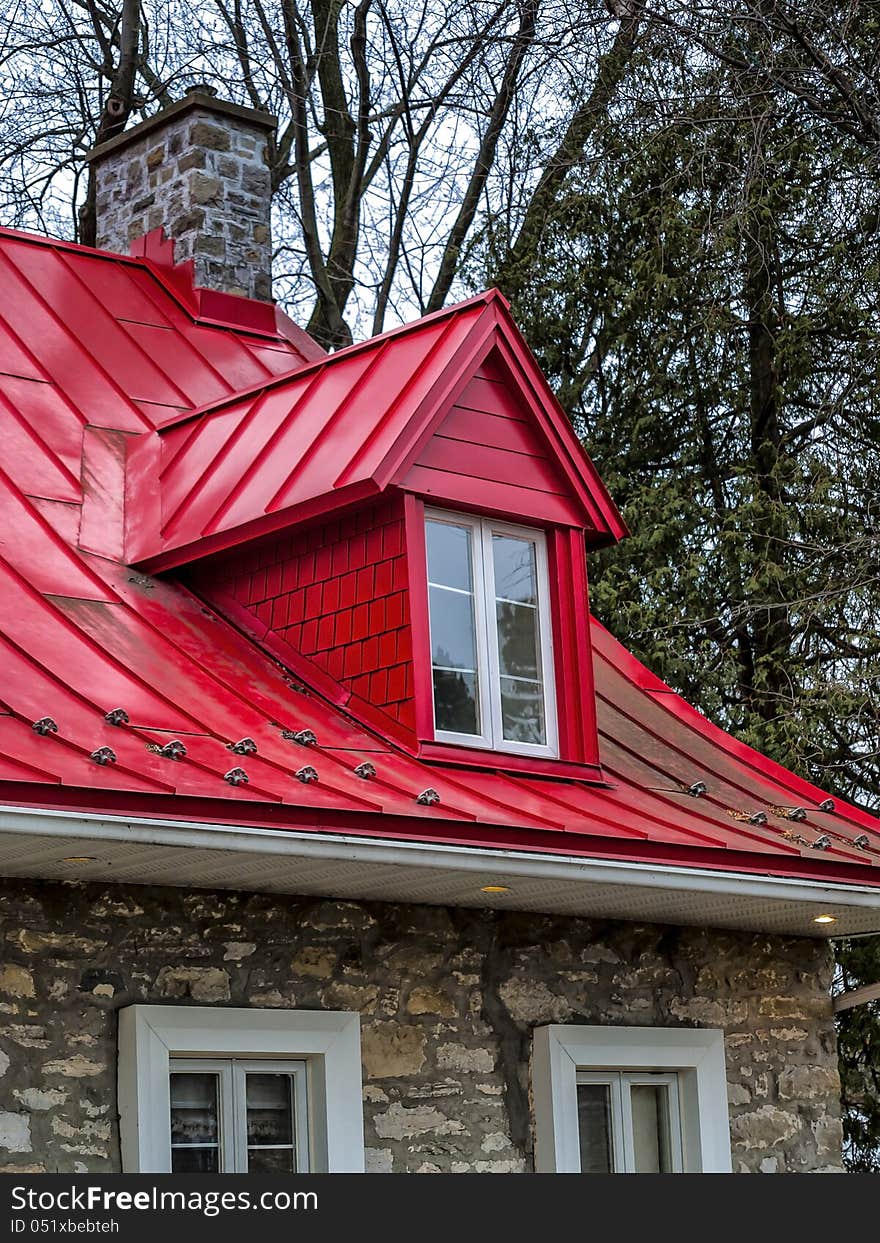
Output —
(342, 429)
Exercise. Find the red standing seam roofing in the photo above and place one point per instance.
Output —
(343, 428)
(97, 349)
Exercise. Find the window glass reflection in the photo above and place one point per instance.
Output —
(594, 1128)
(456, 707)
(519, 640)
(650, 1121)
(453, 642)
(449, 555)
(453, 628)
(269, 1101)
(516, 575)
(195, 1129)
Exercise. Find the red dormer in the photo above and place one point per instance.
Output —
(405, 522)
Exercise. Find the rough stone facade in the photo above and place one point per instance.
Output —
(200, 171)
(448, 999)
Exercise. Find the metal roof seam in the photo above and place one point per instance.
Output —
(201, 480)
(686, 714)
(749, 833)
(815, 794)
(263, 454)
(30, 430)
(275, 502)
(49, 309)
(50, 534)
(385, 471)
(186, 400)
(342, 355)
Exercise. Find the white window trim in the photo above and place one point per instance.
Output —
(696, 1054)
(483, 572)
(329, 1041)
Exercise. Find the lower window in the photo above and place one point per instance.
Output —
(630, 1100)
(628, 1123)
(238, 1117)
(246, 1091)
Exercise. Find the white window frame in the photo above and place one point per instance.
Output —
(327, 1041)
(619, 1083)
(696, 1055)
(231, 1104)
(488, 664)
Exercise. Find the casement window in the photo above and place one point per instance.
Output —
(232, 1116)
(617, 1100)
(628, 1123)
(491, 651)
(205, 1090)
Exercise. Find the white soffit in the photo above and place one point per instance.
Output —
(110, 849)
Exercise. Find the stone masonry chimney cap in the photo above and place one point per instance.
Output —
(199, 96)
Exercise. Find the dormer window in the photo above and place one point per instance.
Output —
(491, 658)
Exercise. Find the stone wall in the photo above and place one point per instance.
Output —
(447, 997)
(200, 171)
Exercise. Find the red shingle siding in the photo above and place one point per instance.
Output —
(338, 594)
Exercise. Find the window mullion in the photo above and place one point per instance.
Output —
(621, 1129)
(235, 1094)
(483, 632)
(493, 670)
(675, 1125)
(302, 1120)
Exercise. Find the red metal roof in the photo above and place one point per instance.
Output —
(96, 348)
(342, 429)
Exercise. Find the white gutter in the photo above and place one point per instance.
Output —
(483, 861)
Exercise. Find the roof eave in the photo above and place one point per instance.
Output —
(137, 850)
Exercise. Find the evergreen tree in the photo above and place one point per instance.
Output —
(704, 294)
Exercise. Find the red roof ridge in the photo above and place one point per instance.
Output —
(299, 372)
(63, 243)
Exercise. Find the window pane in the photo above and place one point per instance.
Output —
(453, 644)
(269, 1109)
(453, 629)
(189, 1160)
(270, 1123)
(650, 1121)
(449, 555)
(456, 706)
(516, 576)
(517, 639)
(194, 1123)
(271, 1161)
(193, 1108)
(522, 711)
(594, 1128)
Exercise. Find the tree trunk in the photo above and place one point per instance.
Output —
(767, 685)
(116, 111)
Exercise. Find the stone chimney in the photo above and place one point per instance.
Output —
(199, 170)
